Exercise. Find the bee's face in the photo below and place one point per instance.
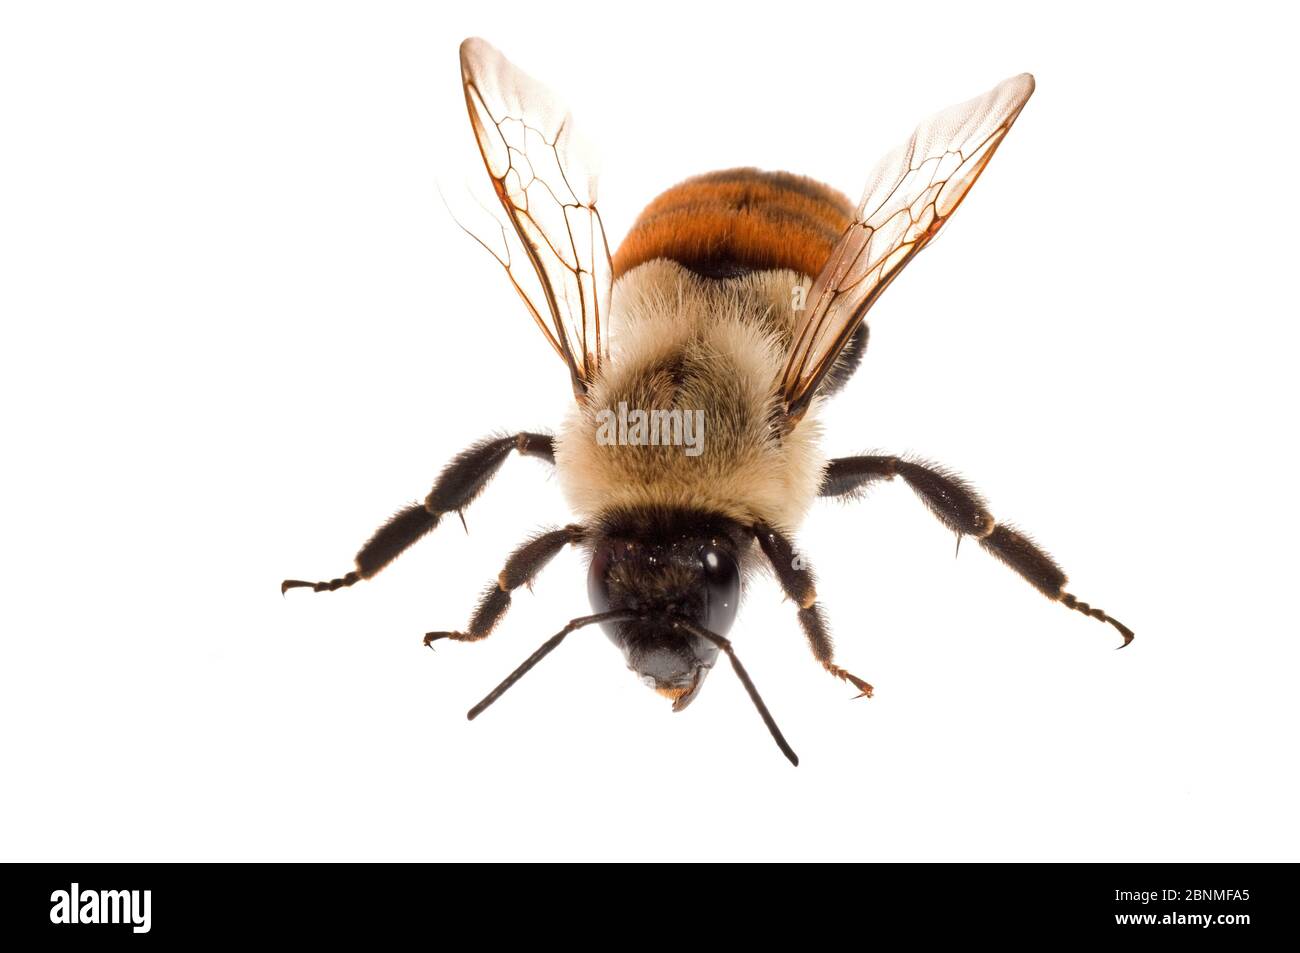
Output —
(693, 578)
(672, 663)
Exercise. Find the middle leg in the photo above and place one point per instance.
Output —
(957, 505)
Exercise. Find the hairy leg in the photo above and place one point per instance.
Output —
(520, 569)
(460, 482)
(957, 505)
(796, 579)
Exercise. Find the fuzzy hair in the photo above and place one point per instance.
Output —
(682, 342)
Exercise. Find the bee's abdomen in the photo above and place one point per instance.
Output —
(736, 221)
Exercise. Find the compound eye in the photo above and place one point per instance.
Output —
(598, 578)
(721, 587)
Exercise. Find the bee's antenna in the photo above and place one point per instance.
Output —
(725, 645)
(545, 650)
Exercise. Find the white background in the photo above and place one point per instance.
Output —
(240, 330)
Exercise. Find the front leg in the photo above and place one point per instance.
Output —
(520, 569)
(460, 482)
(796, 578)
(957, 505)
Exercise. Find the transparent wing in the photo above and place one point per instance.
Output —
(553, 243)
(908, 197)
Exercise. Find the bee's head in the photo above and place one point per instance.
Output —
(666, 567)
(665, 586)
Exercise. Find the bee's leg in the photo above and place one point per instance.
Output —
(957, 505)
(796, 578)
(463, 479)
(520, 569)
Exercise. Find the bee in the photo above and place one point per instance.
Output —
(699, 355)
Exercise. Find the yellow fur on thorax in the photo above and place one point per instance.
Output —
(720, 347)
